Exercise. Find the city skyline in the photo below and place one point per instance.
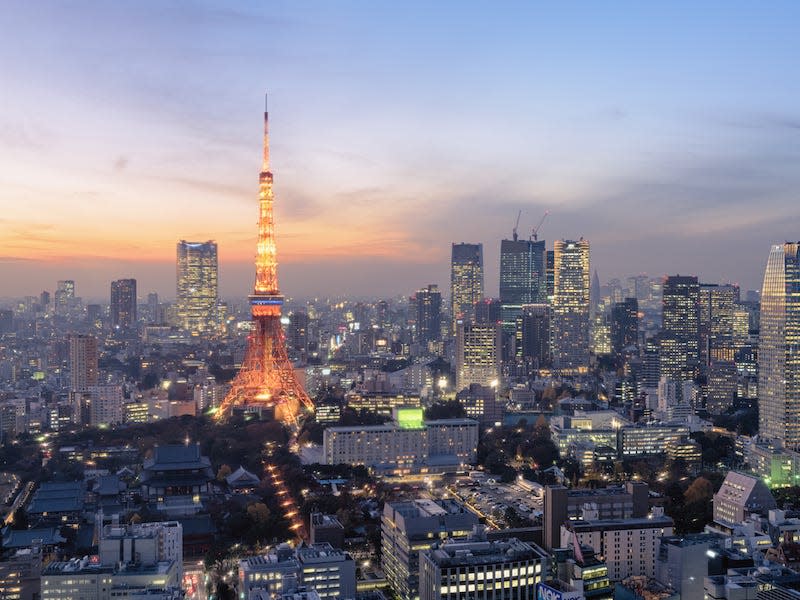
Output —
(660, 137)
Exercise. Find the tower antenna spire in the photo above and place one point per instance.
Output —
(265, 164)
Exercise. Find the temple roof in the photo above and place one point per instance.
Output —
(177, 458)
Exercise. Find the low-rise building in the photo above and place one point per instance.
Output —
(326, 528)
(408, 445)
(477, 569)
(272, 574)
(577, 568)
(177, 478)
(638, 440)
(20, 574)
(409, 527)
(328, 570)
(58, 503)
(86, 579)
(739, 496)
(613, 502)
(628, 546)
(142, 543)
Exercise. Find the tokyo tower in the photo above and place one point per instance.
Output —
(266, 380)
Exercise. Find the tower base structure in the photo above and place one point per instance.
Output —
(266, 383)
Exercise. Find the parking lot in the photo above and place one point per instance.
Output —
(491, 499)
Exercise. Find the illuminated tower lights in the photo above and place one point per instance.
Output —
(266, 379)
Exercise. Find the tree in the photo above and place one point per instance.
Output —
(258, 512)
(20, 520)
(223, 472)
(452, 409)
(701, 490)
(542, 428)
(150, 380)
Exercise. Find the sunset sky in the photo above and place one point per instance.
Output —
(669, 136)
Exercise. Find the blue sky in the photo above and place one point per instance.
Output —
(665, 133)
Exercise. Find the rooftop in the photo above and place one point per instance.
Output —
(475, 552)
(177, 457)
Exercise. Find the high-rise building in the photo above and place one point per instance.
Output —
(297, 333)
(105, 405)
(197, 291)
(64, 297)
(532, 341)
(523, 279)
(722, 386)
(718, 305)
(478, 354)
(83, 366)
(550, 269)
(123, 304)
(594, 295)
(429, 314)
(487, 312)
(94, 316)
(571, 306)
(779, 347)
(154, 314)
(624, 325)
(466, 281)
(679, 340)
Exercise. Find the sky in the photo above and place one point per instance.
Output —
(665, 133)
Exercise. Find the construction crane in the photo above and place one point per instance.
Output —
(519, 214)
(539, 226)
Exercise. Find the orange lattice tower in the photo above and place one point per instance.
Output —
(266, 379)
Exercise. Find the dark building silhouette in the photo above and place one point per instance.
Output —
(123, 304)
(624, 325)
(428, 314)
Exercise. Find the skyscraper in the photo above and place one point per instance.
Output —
(64, 297)
(123, 304)
(779, 347)
(679, 339)
(478, 354)
(197, 286)
(624, 325)
(550, 262)
(429, 314)
(466, 281)
(153, 308)
(718, 304)
(522, 277)
(297, 334)
(82, 362)
(532, 337)
(571, 306)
